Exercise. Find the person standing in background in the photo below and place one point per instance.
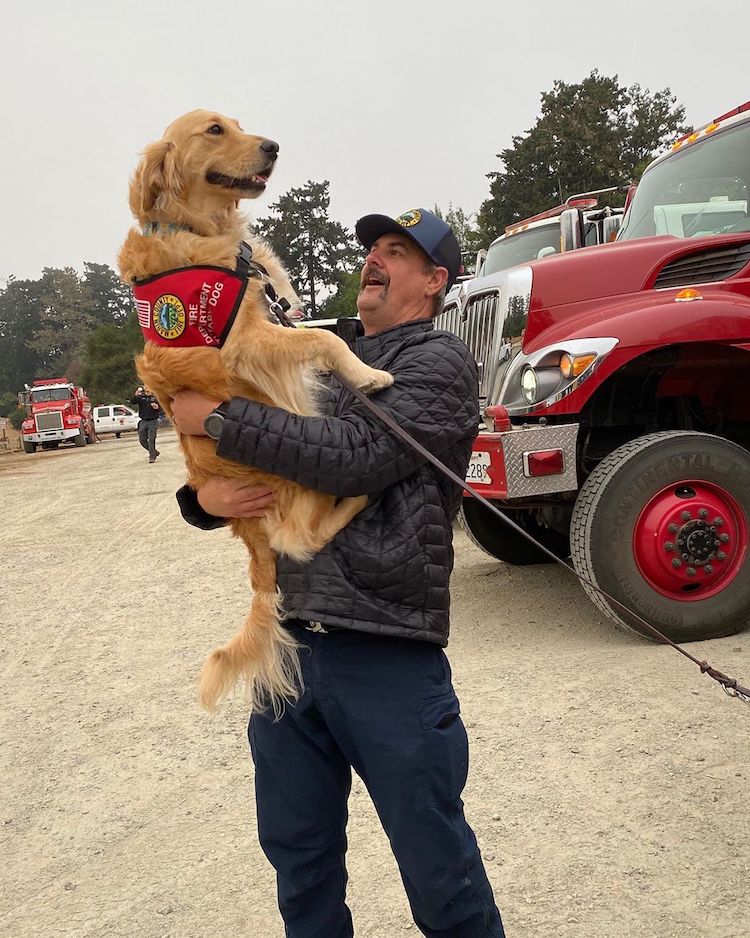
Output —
(148, 412)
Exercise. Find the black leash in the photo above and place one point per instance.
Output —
(729, 685)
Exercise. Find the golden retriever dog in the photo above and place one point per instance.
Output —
(185, 194)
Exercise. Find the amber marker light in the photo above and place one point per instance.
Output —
(572, 366)
(687, 296)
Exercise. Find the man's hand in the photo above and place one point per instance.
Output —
(232, 498)
(190, 409)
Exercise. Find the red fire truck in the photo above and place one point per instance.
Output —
(615, 385)
(56, 412)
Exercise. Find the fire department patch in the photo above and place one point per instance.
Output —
(409, 219)
(169, 316)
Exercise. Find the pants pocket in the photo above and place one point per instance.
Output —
(446, 749)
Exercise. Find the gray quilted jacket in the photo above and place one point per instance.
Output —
(388, 570)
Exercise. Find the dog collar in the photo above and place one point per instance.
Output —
(155, 228)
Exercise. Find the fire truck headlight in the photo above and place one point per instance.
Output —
(529, 384)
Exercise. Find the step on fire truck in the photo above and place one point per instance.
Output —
(56, 412)
(615, 386)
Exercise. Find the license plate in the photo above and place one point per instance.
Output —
(477, 470)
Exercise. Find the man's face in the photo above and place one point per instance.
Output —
(397, 284)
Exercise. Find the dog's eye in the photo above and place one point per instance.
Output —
(215, 129)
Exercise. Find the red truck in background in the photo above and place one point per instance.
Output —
(56, 412)
(615, 385)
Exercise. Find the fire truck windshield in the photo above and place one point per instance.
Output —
(42, 395)
(697, 191)
(523, 247)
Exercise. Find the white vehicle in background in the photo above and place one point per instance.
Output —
(114, 418)
(577, 223)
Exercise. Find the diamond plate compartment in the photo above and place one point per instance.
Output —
(517, 442)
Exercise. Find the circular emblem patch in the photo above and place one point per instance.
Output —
(409, 219)
(169, 316)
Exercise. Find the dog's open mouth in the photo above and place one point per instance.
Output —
(256, 181)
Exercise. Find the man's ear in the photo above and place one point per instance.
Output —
(438, 279)
(155, 175)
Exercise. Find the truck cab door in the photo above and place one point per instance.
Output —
(103, 419)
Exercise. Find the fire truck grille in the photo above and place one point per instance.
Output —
(49, 421)
(478, 327)
(704, 267)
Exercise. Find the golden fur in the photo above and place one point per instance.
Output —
(259, 360)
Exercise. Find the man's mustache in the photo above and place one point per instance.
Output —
(372, 274)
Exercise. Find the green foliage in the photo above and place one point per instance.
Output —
(17, 417)
(8, 403)
(313, 248)
(65, 319)
(466, 231)
(590, 135)
(45, 324)
(344, 301)
(464, 227)
(110, 298)
(108, 372)
(20, 309)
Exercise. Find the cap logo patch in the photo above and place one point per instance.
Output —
(169, 316)
(409, 219)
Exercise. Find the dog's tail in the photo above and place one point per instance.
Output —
(263, 653)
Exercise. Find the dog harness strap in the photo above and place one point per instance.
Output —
(245, 261)
(189, 307)
(246, 266)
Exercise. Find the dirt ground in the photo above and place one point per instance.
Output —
(609, 781)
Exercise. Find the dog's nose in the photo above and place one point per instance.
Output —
(270, 148)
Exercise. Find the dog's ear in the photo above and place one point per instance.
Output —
(157, 174)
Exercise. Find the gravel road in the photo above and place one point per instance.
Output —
(609, 782)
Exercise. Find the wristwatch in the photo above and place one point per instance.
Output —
(214, 422)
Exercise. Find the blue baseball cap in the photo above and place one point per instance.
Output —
(425, 229)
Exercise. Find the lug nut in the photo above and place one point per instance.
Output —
(686, 516)
(703, 513)
(708, 568)
(669, 546)
(720, 555)
(718, 521)
(676, 562)
(690, 571)
(724, 538)
(673, 529)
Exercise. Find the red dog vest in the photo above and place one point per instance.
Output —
(189, 307)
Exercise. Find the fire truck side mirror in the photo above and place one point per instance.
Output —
(610, 226)
(571, 230)
(481, 257)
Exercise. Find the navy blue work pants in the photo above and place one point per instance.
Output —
(385, 707)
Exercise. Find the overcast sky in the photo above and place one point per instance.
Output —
(398, 103)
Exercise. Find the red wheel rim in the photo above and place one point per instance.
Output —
(690, 540)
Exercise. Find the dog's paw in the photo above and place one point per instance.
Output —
(373, 380)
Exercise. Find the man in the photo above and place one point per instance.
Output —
(371, 610)
(148, 412)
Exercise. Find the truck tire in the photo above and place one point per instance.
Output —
(80, 440)
(29, 447)
(662, 525)
(500, 541)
